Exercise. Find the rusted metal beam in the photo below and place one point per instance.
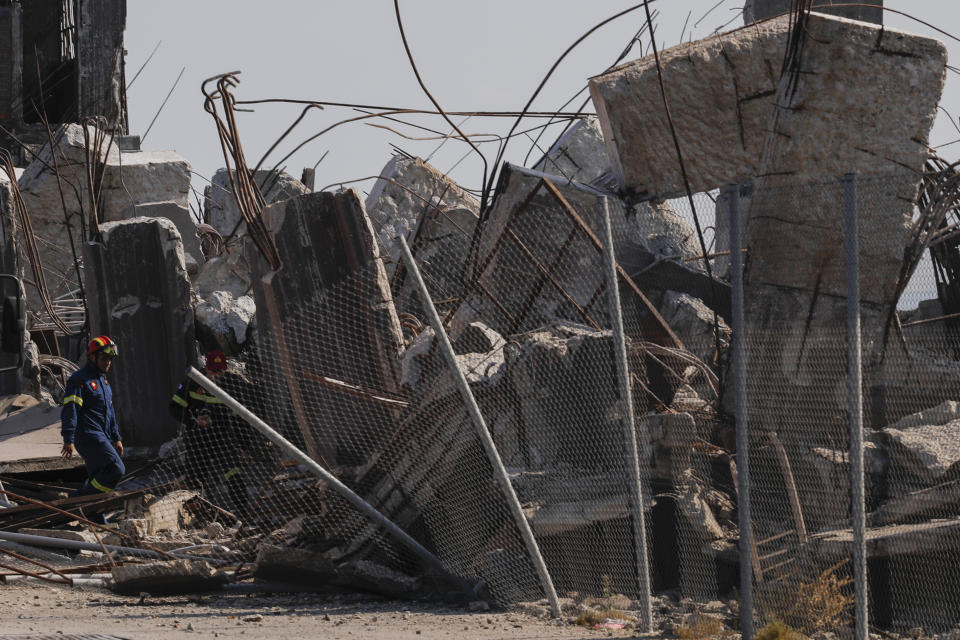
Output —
(356, 390)
(653, 326)
(544, 273)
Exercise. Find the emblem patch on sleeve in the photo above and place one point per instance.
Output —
(93, 385)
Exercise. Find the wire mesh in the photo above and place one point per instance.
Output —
(367, 392)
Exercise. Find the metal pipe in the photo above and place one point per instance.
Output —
(629, 427)
(855, 406)
(499, 471)
(402, 536)
(60, 543)
(744, 518)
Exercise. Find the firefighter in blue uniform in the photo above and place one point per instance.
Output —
(88, 422)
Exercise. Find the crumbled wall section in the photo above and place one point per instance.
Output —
(138, 293)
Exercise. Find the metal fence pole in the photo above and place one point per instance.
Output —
(855, 398)
(629, 427)
(740, 397)
(288, 447)
(493, 455)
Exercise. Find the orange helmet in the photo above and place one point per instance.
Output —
(216, 361)
(104, 344)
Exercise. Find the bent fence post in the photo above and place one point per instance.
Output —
(740, 403)
(402, 536)
(628, 418)
(546, 582)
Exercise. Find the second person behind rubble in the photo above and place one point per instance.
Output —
(214, 438)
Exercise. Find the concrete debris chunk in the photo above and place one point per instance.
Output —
(167, 578)
(579, 154)
(924, 449)
(222, 212)
(415, 200)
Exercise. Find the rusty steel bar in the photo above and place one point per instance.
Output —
(544, 273)
(538, 285)
(658, 326)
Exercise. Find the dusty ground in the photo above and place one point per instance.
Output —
(29, 610)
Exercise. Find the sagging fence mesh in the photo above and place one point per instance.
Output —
(356, 377)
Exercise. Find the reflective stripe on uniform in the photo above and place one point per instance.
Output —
(75, 399)
(99, 487)
(231, 473)
(205, 398)
(180, 401)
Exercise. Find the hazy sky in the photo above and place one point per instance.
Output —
(472, 55)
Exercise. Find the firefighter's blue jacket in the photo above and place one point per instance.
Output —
(88, 408)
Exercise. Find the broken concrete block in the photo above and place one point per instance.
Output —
(562, 378)
(415, 200)
(579, 154)
(138, 293)
(167, 513)
(222, 212)
(923, 448)
(181, 216)
(129, 179)
(423, 364)
(848, 120)
(693, 321)
(224, 322)
(332, 277)
(169, 577)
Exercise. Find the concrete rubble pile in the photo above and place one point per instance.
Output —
(332, 346)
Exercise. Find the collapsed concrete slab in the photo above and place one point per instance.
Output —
(130, 178)
(332, 281)
(848, 120)
(540, 258)
(138, 292)
(414, 200)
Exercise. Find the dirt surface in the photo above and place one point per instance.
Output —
(31, 610)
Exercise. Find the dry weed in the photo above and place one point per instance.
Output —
(808, 606)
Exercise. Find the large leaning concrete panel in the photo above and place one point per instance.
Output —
(138, 293)
(327, 313)
(723, 90)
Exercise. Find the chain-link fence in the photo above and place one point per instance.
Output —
(357, 378)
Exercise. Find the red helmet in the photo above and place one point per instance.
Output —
(216, 361)
(104, 344)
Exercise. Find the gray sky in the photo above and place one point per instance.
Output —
(472, 55)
